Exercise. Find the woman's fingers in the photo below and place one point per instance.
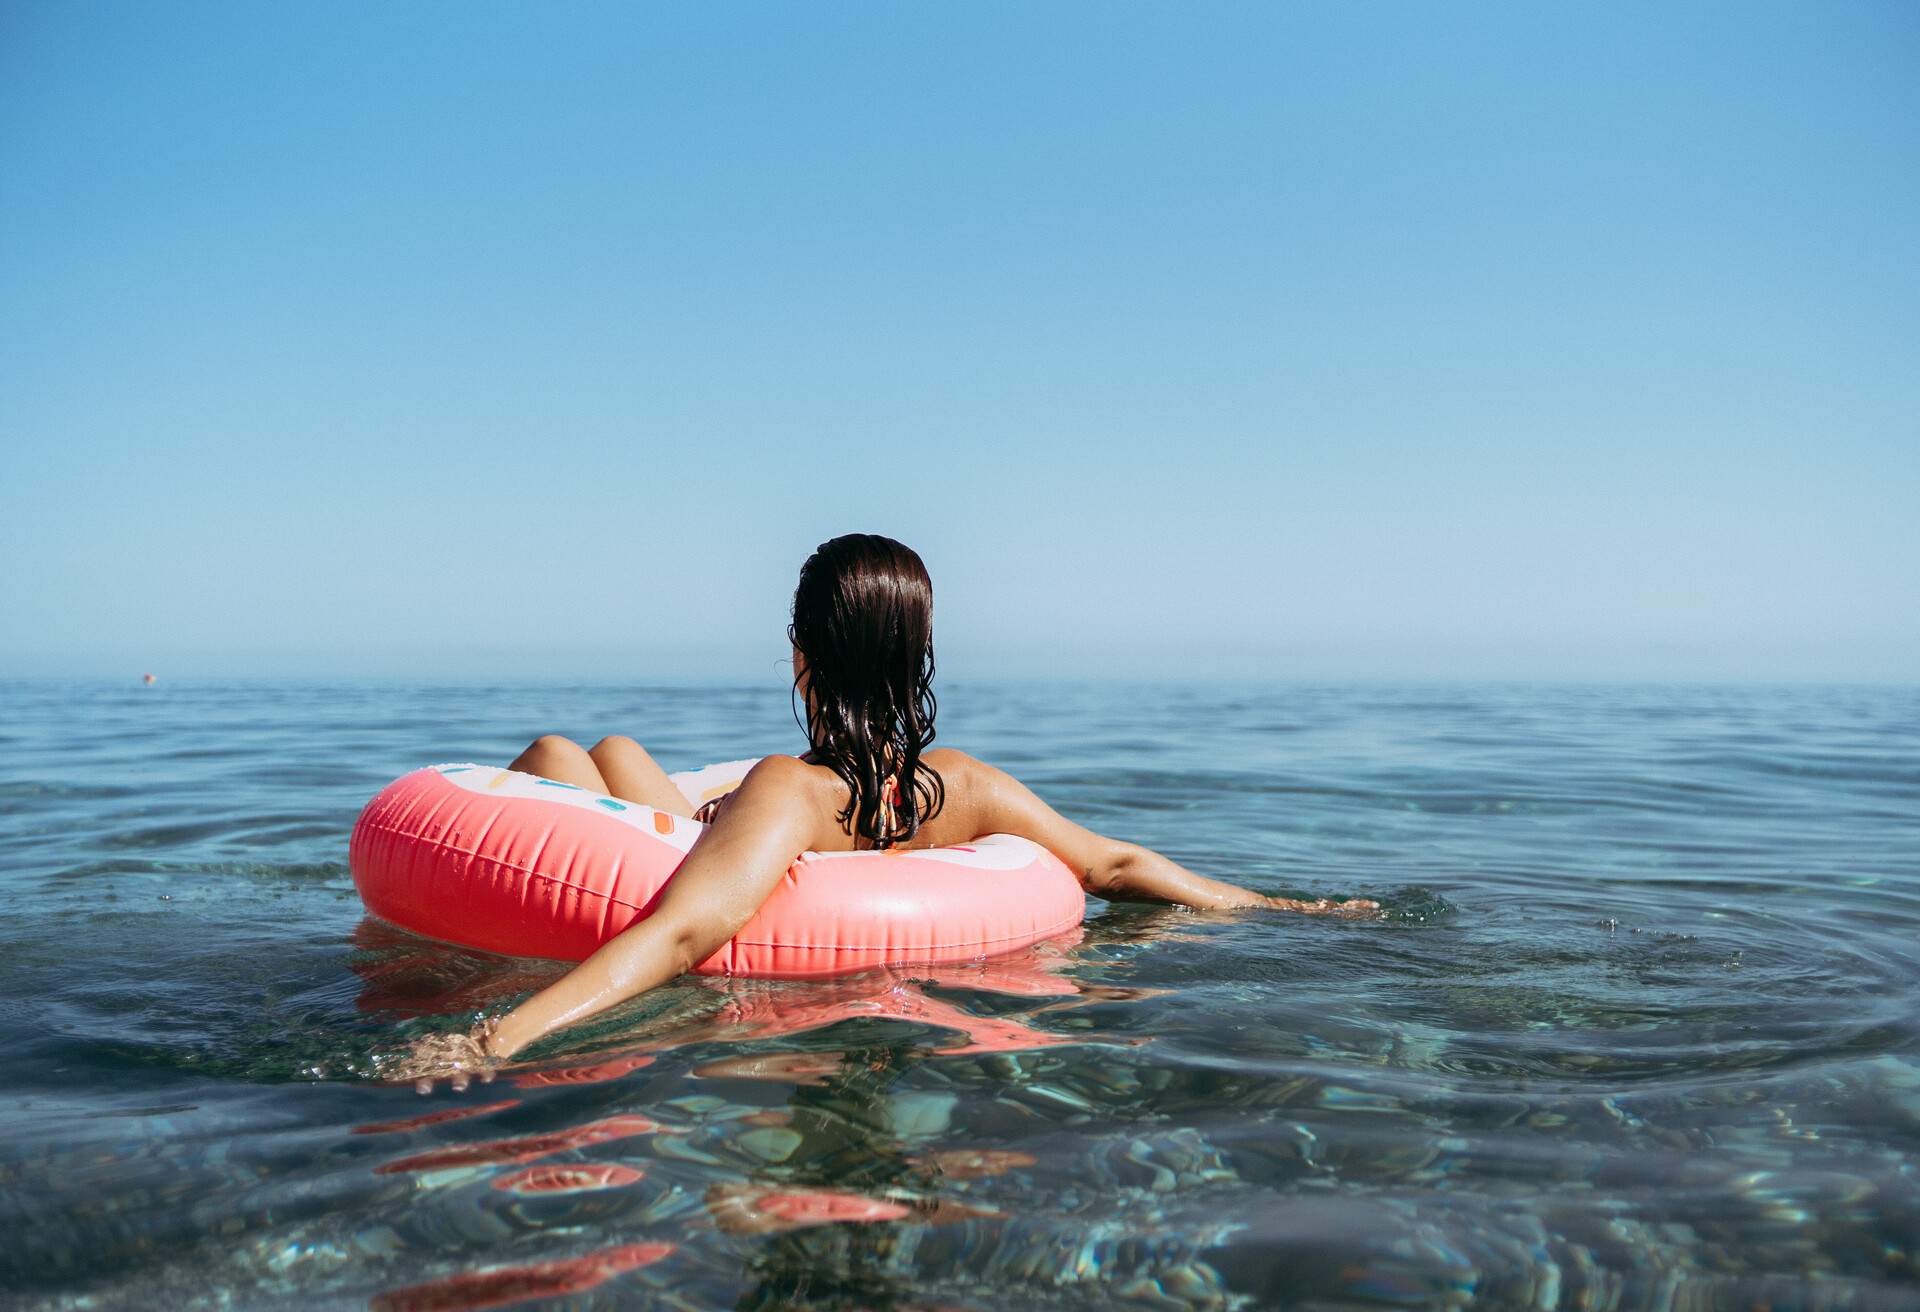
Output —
(1353, 908)
(455, 1058)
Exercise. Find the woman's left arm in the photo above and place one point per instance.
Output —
(731, 870)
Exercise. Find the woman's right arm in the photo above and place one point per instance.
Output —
(731, 870)
(1115, 870)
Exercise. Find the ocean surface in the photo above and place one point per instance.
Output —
(1640, 1030)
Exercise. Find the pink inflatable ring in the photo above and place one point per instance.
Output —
(511, 863)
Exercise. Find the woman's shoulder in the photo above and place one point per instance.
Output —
(787, 781)
(973, 786)
(789, 776)
(794, 772)
(786, 771)
(986, 800)
(955, 767)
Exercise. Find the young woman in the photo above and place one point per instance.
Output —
(862, 636)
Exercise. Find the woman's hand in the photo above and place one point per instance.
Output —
(1359, 908)
(458, 1059)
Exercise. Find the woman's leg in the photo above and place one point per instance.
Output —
(562, 760)
(632, 774)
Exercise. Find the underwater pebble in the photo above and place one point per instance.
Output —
(697, 1104)
(1054, 1094)
(682, 1149)
(922, 1115)
(773, 1144)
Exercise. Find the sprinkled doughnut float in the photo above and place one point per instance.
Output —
(511, 863)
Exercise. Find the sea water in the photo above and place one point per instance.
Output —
(1637, 1031)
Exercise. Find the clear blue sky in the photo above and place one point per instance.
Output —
(1292, 340)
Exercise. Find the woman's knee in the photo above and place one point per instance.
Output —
(553, 747)
(617, 744)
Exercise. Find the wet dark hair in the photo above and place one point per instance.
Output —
(863, 621)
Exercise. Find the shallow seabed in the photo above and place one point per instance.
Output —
(1639, 1032)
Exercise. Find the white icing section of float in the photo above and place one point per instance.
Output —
(994, 852)
(710, 781)
(493, 781)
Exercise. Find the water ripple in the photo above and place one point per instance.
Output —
(1638, 1029)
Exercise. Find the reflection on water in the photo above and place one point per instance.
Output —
(1638, 1032)
(497, 1152)
(568, 1179)
(499, 1286)
(760, 1209)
